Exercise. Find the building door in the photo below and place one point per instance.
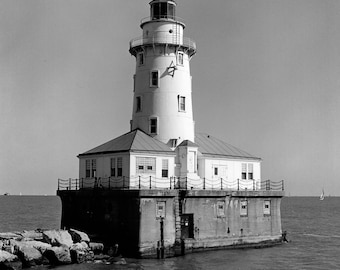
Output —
(187, 226)
(191, 162)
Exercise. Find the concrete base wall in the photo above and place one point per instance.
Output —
(180, 221)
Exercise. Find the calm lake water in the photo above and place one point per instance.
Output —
(313, 228)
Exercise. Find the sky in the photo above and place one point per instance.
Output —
(266, 79)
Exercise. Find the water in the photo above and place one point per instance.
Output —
(313, 228)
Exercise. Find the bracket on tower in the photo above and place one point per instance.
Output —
(171, 69)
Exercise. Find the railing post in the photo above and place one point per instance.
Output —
(82, 183)
(138, 181)
(150, 181)
(221, 183)
(69, 183)
(268, 184)
(109, 182)
(203, 182)
(170, 181)
(58, 183)
(76, 184)
(186, 182)
(253, 184)
(238, 184)
(123, 181)
(283, 185)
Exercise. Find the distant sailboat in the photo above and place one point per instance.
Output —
(322, 196)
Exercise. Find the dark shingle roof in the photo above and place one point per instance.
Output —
(209, 145)
(135, 140)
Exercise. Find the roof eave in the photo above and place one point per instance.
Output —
(230, 156)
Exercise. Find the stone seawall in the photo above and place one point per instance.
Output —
(53, 247)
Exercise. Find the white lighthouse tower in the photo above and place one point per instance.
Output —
(162, 105)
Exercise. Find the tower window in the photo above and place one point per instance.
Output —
(154, 78)
(181, 103)
(180, 57)
(162, 10)
(215, 171)
(153, 125)
(140, 59)
(138, 104)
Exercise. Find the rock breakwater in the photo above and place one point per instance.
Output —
(52, 247)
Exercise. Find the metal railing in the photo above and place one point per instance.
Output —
(167, 17)
(163, 39)
(151, 182)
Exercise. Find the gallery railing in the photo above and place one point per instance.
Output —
(151, 182)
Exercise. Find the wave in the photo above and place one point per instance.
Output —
(321, 236)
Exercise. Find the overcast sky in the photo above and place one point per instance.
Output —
(266, 78)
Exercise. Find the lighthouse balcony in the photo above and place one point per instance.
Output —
(165, 17)
(187, 44)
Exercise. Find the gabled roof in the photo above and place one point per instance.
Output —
(135, 140)
(188, 143)
(209, 145)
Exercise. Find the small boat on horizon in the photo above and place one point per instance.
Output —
(322, 196)
(6, 194)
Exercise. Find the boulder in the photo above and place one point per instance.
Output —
(79, 252)
(34, 235)
(7, 257)
(58, 255)
(40, 246)
(30, 256)
(96, 247)
(79, 236)
(58, 238)
(9, 261)
(10, 235)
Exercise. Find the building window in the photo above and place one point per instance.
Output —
(247, 171)
(181, 103)
(160, 210)
(165, 168)
(244, 208)
(88, 168)
(154, 78)
(266, 208)
(153, 125)
(134, 82)
(146, 165)
(113, 167)
(244, 171)
(215, 171)
(94, 168)
(250, 171)
(180, 57)
(138, 104)
(220, 209)
(91, 168)
(119, 166)
(140, 59)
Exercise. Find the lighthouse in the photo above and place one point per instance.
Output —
(162, 189)
(162, 102)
